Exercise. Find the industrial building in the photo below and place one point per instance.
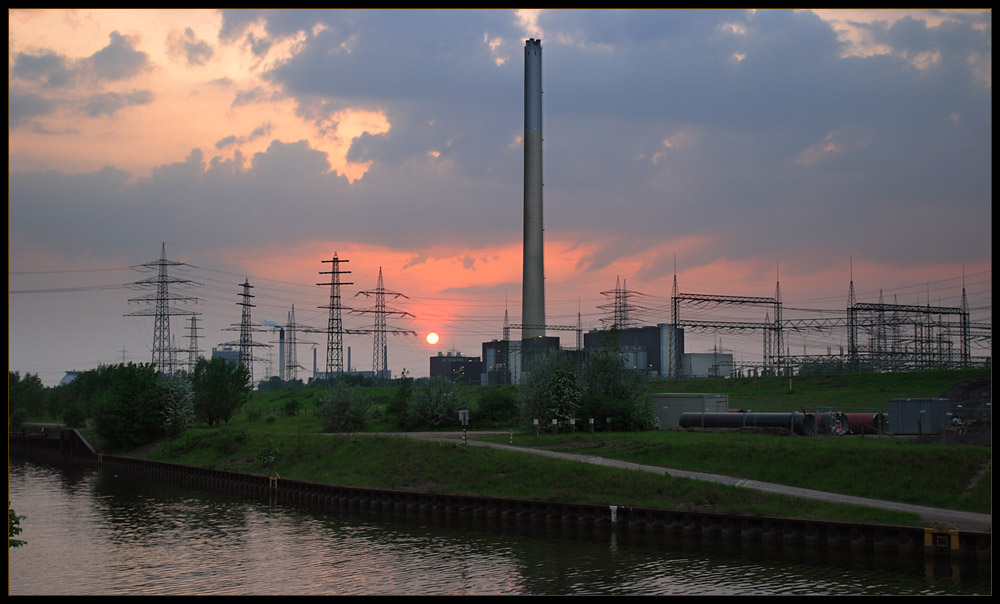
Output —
(456, 367)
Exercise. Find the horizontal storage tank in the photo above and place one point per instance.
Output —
(669, 406)
(799, 423)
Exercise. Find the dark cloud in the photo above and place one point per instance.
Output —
(24, 106)
(250, 96)
(119, 60)
(189, 47)
(749, 130)
(110, 103)
(229, 141)
(48, 69)
(258, 46)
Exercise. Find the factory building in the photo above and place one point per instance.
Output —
(456, 367)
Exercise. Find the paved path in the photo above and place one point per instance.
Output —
(967, 521)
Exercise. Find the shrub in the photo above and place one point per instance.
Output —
(270, 419)
(228, 440)
(292, 407)
(343, 409)
(268, 453)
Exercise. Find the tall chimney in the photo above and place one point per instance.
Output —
(533, 276)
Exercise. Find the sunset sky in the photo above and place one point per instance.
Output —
(736, 146)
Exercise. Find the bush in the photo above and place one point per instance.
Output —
(343, 409)
(498, 406)
(292, 407)
(270, 419)
(74, 415)
(268, 453)
(436, 404)
(228, 440)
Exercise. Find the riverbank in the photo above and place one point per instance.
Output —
(405, 464)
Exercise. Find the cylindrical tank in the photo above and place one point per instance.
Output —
(799, 423)
(866, 423)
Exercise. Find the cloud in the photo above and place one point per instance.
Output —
(119, 60)
(110, 103)
(48, 69)
(232, 140)
(188, 47)
(22, 107)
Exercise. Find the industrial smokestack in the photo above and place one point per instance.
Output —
(533, 275)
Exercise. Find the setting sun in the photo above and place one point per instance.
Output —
(432, 338)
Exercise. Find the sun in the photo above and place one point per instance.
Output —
(432, 338)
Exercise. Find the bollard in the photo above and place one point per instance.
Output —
(591, 425)
(512, 436)
(555, 426)
(572, 425)
(536, 426)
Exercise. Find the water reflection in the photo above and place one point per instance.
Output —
(100, 532)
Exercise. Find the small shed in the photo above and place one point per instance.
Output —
(919, 415)
(669, 406)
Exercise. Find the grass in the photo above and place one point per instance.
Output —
(384, 462)
(886, 468)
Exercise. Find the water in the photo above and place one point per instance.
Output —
(93, 531)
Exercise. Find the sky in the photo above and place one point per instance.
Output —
(732, 149)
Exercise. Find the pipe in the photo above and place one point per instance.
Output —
(799, 423)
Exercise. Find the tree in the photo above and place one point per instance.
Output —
(13, 527)
(400, 403)
(128, 413)
(551, 389)
(613, 390)
(178, 405)
(26, 393)
(220, 389)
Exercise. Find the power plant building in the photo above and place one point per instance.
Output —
(457, 368)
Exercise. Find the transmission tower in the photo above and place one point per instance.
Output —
(621, 308)
(380, 362)
(246, 328)
(290, 362)
(335, 325)
(291, 358)
(193, 345)
(161, 301)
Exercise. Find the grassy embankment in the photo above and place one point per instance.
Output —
(881, 468)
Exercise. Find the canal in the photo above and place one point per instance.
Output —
(93, 531)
